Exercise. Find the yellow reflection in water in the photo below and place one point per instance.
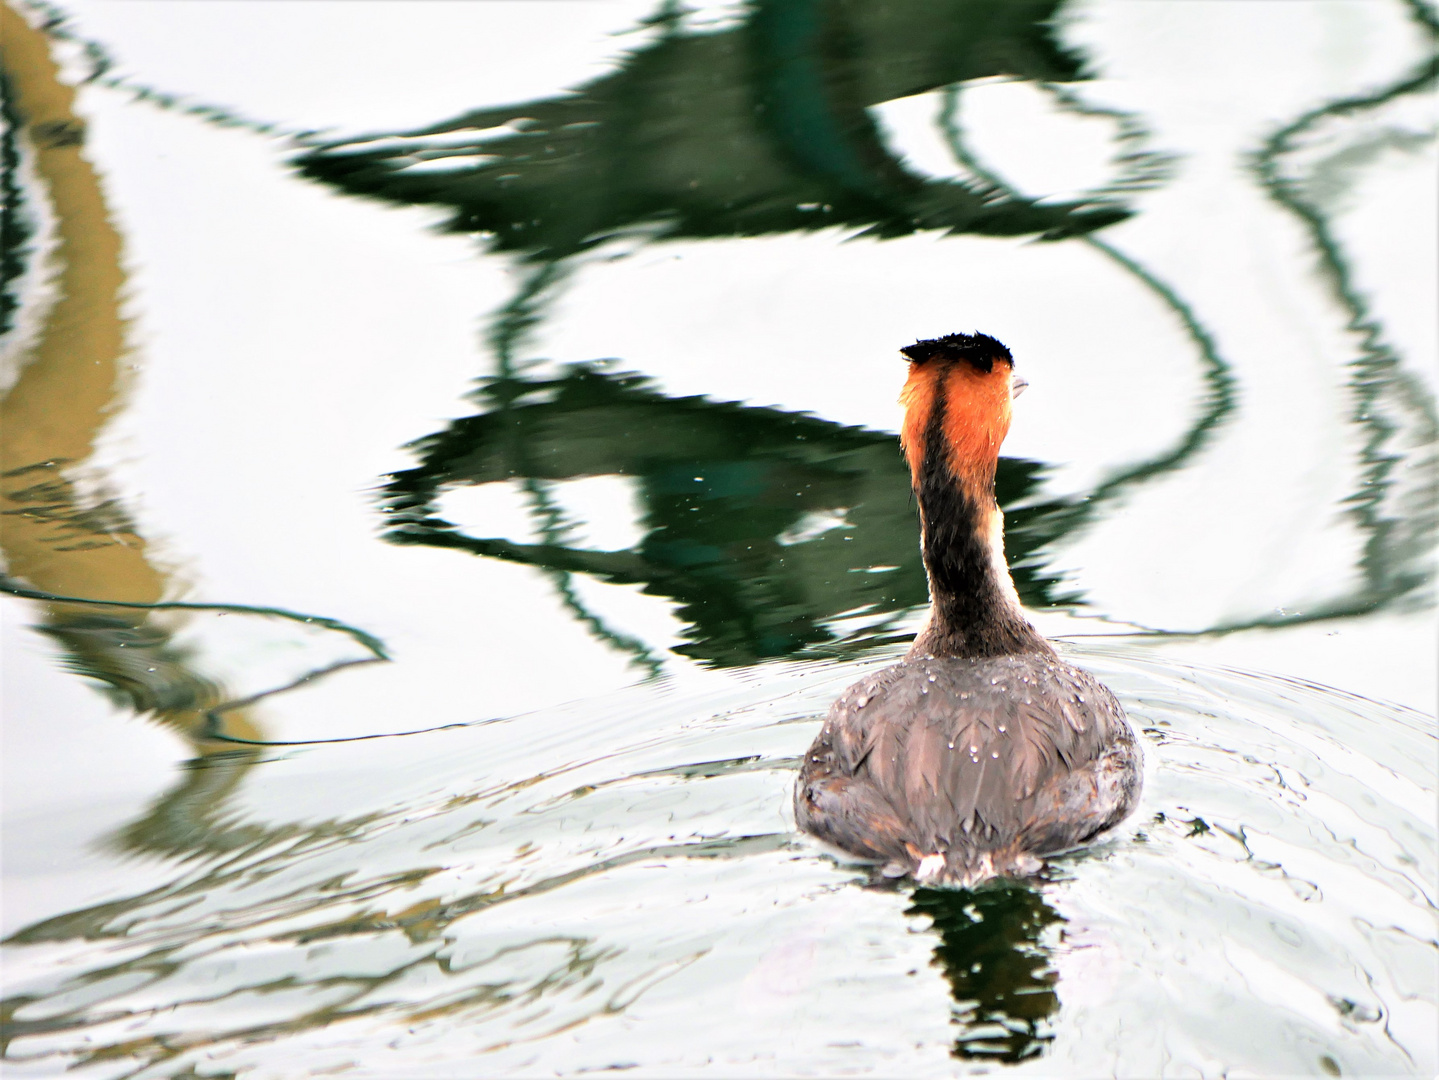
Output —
(54, 536)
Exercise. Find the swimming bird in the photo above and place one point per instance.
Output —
(981, 752)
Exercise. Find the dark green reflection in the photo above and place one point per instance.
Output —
(998, 971)
(764, 525)
(758, 129)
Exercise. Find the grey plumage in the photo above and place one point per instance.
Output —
(991, 763)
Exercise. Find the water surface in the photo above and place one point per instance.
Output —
(544, 406)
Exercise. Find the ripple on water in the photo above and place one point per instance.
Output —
(618, 883)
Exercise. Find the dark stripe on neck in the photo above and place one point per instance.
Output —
(971, 613)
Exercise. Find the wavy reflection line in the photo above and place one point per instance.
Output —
(371, 644)
(510, 325)
(1141, 170)
(1377, 370)
(700, 770)
(58, 25)
(212, 728)
(1398, 555)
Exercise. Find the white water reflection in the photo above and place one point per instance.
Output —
(431, 899)
(392, 64)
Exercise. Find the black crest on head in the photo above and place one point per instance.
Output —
(981, 350)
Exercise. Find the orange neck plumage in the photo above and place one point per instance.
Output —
(972, 408)
(956, 416)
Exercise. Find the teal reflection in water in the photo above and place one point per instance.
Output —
(760, 129)
(767, 527)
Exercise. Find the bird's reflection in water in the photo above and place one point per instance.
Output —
(998, 969)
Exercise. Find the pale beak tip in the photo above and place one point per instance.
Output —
(1017, 385)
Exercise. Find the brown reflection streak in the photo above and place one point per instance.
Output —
(52, 535)
(51, 415)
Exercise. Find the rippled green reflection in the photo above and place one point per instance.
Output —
(998, 970)
(755, 130)
(767, 527)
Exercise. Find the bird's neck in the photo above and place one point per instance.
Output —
(974, 609)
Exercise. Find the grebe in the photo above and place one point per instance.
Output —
(981, 752)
